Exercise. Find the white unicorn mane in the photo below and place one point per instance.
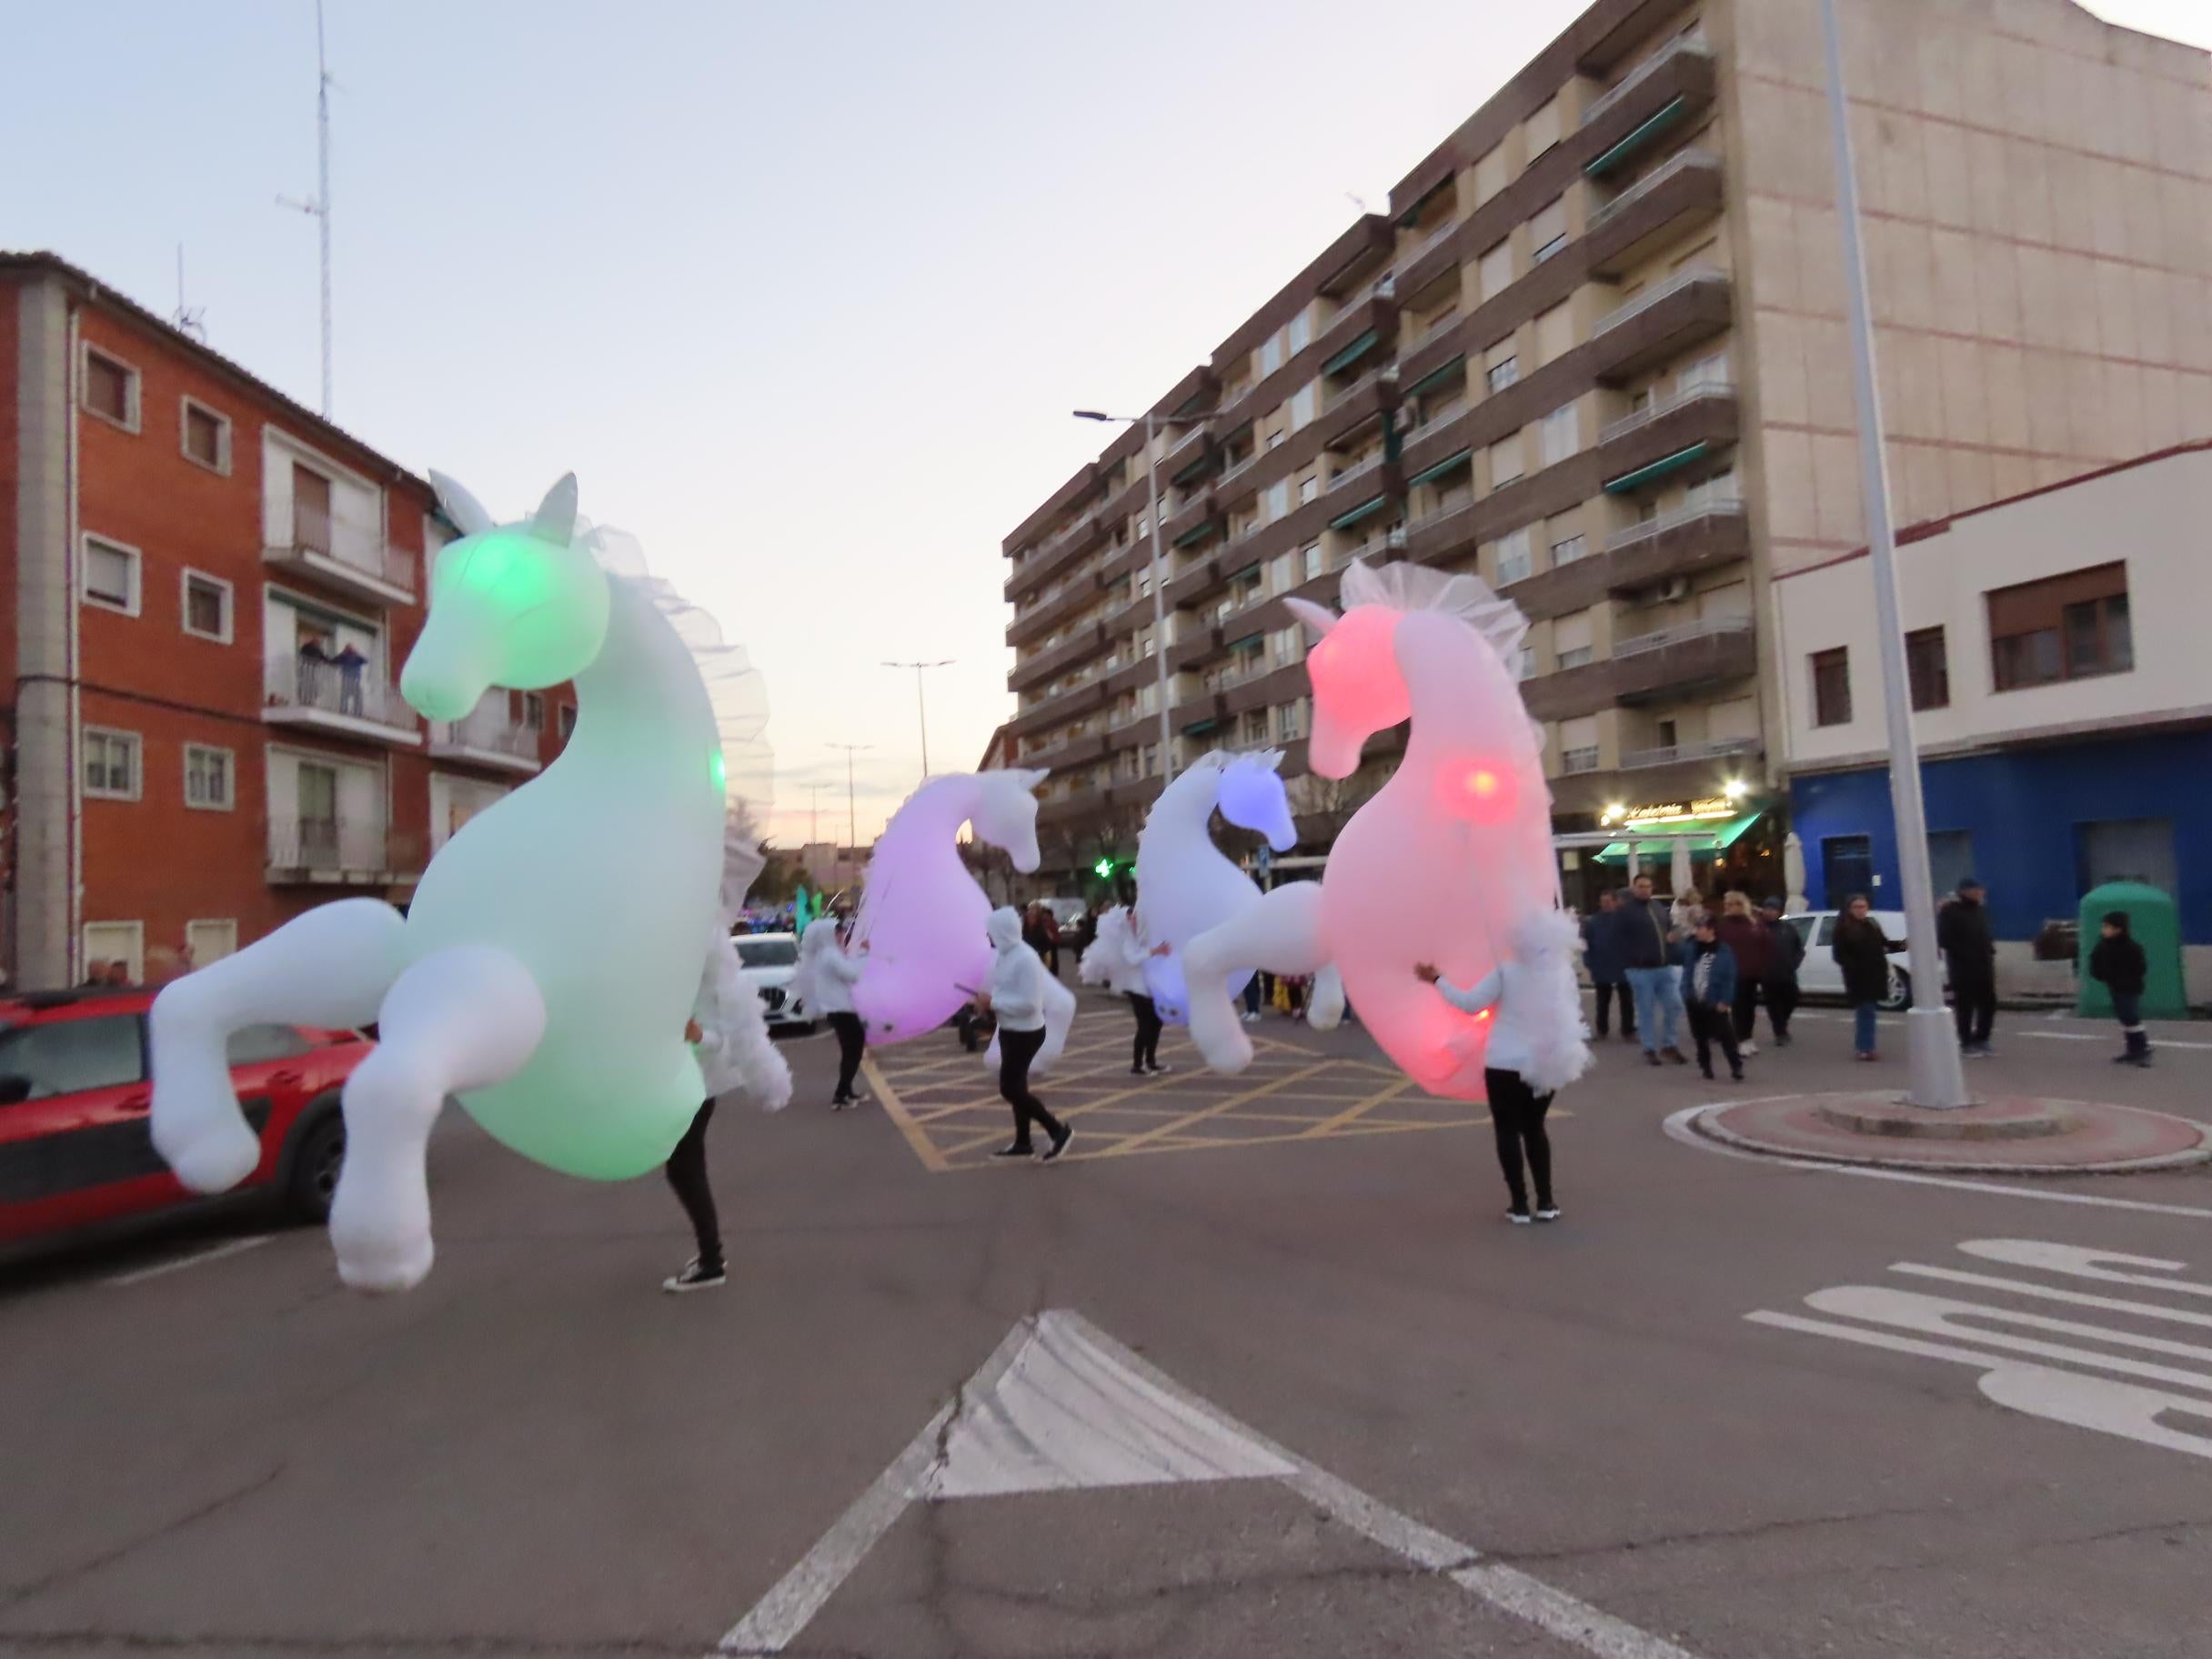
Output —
(1254, 759)
(1404, 587)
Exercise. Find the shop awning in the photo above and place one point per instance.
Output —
(1657, 469)
(1462, 458)
(1437, 373)
(1351, 353)
(1343, 520)
(1636, 140)
(1709, 839)
(1197, 532)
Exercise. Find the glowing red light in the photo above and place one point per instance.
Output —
(1482, 784)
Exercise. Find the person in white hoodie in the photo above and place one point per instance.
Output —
(1016, 995)
(1537, 1045)
(1116, 959)
(728, 1033)
(823, 983)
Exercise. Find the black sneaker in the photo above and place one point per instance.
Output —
(1019, 1149)
(1782, 1039)
(1136, 1071)
(1059, 1145)
(1736, 1076)
(696, 1277)
(1650, 1058)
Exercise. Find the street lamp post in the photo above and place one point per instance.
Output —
(920, 707)
(1935, 1076)
(852, 821)
(1160, 644)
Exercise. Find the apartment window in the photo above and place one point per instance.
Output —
(1305, 403)
(111, 388)
(1514, 558)
(1706, 371)
(1554, 333)
(1504, 461)
(1562, 435)
(311, 509)
(566, 719)
(534, 711)
(208, 777)
(1490, 176)
(1271, 355)
(207, 607)
(1290, 721)
(1254, 728)
(1719, 490)
(1431, 326)
(211, 940)
(1571, 641)
(1543, 130)
(1578, 744)
(1311, 558)
(1276, 500)
(1568, 551)
(2069, 627)
(1308, 488)
(1547, 232)
(1832, 687)
(1300, 335)
(204, 436)
(1152, 758)
(111, 575)
(1495, 270)
(111, 764)
(1928, 669)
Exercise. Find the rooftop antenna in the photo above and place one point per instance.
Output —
(1359, 202)
(319, 208)
(186, 319)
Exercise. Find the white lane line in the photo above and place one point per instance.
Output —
(2162, 1042)
(794, 1600)
(2045, 1292)
(1678, 1126)
(177, 1265)
(1163, 1432)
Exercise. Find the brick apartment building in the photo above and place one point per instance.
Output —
(212, 591)
(1595, 351)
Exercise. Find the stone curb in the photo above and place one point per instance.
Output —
(1705, 1122)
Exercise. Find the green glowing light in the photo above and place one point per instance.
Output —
(719, 772)
(1102, 869)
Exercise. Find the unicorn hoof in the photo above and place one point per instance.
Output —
(385, 1266)
(210, 1151)
(1230, 1054)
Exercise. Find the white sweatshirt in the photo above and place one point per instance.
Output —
(826, 975)
(1017, 976)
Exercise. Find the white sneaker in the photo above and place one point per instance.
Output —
(1748, 1049)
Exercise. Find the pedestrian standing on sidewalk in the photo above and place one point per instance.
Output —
(824, 981)
(1785, 956)
(1648, 939)
(1962, 932)
(1602, 957)
(1740, 929)
(1536, 1046)
(1116, 959)
(1016, 995)
(1710, 982)
(1862, 951)
(2119, 962)
(728, 1033)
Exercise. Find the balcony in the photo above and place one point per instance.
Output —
(488, 737)
(1052, 608)
(1434, 255)
(1660, 98)
(1191, 582)
(1187, 455)
(1682, 754)
(1659, 207)
(1669, 433)
(1076, 805)
(1352, 409)
(1376, 310)
(1057, 660)
(1681, 543)
(1438, 535)
(348, 558)
(1193, 648)
(1361, 472)
(317, 695)
(1057, 554)
(339, 852)
(1077, 750)
(1077, 700)
(1689, 306)
(1184, 525)
(1658, 665)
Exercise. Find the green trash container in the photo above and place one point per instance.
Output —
(2157, 926)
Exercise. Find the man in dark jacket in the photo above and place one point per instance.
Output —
(1962, 930)
(1709, 990)
(1785, 956)
(1646, 938)
(1601, 956)
(2120, 963)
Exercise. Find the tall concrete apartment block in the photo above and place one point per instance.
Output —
(1595, 351)
(187, 555)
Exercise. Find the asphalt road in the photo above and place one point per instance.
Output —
(1374, 1419)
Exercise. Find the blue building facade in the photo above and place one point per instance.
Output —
(2041, 824)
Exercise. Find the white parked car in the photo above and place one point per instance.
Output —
(1818, 976)
(1066, 911)
(767, 961)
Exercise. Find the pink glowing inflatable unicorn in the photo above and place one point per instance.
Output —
(1446, 857)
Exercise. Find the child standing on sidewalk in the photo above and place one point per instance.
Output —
(2120, 963)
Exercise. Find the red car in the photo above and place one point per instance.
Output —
(76, 1148)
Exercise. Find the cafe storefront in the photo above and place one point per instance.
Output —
(1718, 844)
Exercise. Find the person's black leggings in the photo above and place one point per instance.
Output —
(1709, 1025)
(851, 1039)
(1516, 1113)
(1015, 1050)
(687, 1176)
(1974, 1005)
(1147, 1050)
(1780, 999)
